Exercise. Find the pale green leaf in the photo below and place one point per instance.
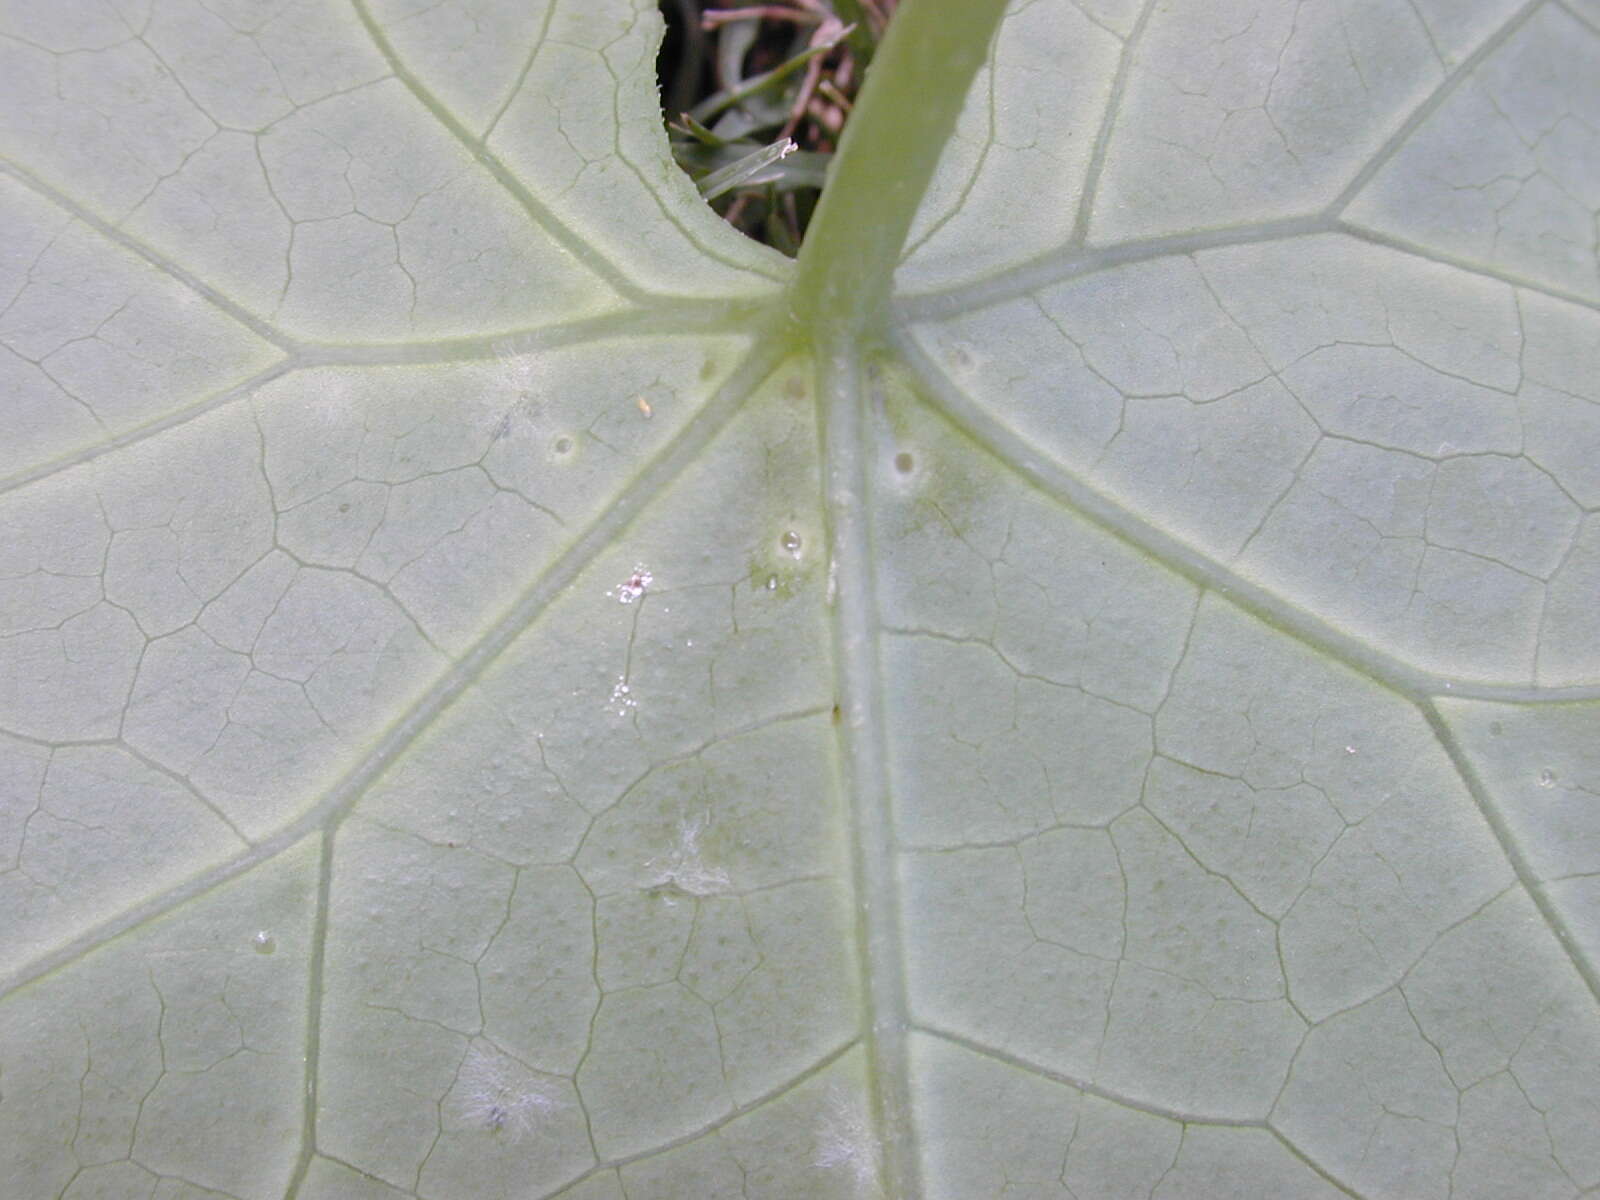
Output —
(1087, 685)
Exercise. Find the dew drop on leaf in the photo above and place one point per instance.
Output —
(1547, 778)
(631, 588)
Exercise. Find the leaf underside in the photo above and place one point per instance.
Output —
(508, 689)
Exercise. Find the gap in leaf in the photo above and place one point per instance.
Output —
(755, 97)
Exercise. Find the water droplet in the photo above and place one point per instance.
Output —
(904, 462)
(791, 543)
(264, 942)
(772, 583)
(563, 445)
(645, 409)
(631, 588)
(1349, 749)
(1547, 778)
(622, 699)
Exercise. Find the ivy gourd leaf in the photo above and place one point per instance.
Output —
(1087, 684)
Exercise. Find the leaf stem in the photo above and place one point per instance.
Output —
(905, 114)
